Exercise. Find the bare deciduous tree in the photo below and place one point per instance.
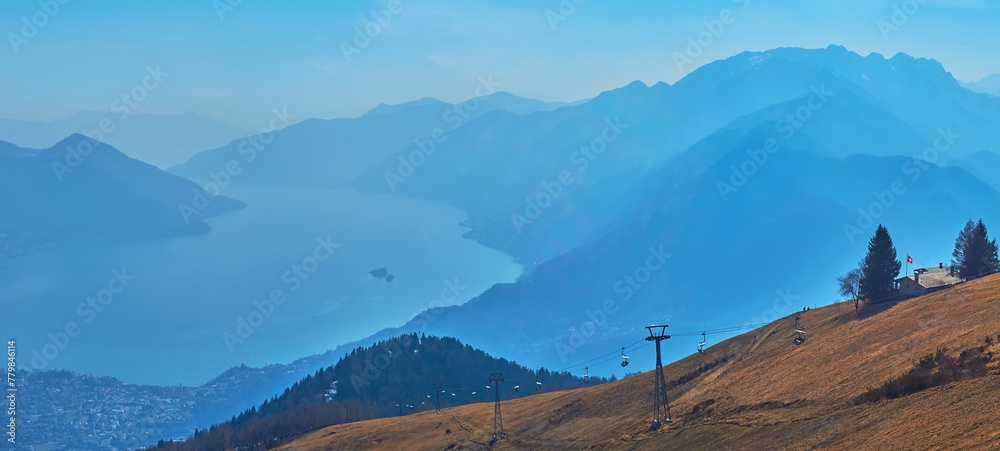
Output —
(850, 284)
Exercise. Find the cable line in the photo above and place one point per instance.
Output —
(617, 354)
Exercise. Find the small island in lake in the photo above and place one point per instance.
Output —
(382, 273)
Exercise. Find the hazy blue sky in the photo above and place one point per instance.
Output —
(268, 54)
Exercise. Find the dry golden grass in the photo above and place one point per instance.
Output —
(771, 395)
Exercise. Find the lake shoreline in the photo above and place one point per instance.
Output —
(422, 241)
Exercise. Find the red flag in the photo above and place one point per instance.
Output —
(909, 259)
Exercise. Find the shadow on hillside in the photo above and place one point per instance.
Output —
(870, 309)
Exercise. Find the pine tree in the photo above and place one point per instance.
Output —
(958, 255)
(880, 267)
(975, 254)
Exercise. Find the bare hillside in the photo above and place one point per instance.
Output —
(769, 394)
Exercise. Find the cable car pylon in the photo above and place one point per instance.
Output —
(498, 433)
(438, 388)
(661, 403)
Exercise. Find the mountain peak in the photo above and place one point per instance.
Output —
(383, 108)
(902, 57)
(992, 78)
(502, 95)
(74, 140)
(990, 84)
(835, 60)
(636, 85)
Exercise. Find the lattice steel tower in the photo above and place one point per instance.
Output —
(437, 397)
(498, 433)
(661, 403)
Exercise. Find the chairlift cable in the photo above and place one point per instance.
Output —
(615, 353)
(577, 367)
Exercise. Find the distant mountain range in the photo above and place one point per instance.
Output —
(842, 131)
(739, 165)
(988, 85)
(865, 106)
(332, 152)
(500, 100)
(81, 190)
(162, 140)
(982, 164)
(733, 196)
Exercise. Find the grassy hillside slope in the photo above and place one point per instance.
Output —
(770, 394)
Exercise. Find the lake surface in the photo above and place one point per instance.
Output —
(169, 325)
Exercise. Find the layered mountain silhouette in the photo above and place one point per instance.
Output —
(988, 85)
(773, 247)
(500, 100)
(733, 196)
(488, 160)
(82, 190)
(735, 171)
(331, 153)
(162, 140)
(724, 207)
(869, 105)
(982, 164)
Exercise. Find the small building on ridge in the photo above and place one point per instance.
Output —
(927, 280)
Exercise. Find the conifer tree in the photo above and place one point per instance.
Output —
(880, 267)
(975, 255)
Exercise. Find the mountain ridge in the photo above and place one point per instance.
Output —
(102, 193)
(691, 186)
(989, 84)
(153, 138)
(766, 393)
